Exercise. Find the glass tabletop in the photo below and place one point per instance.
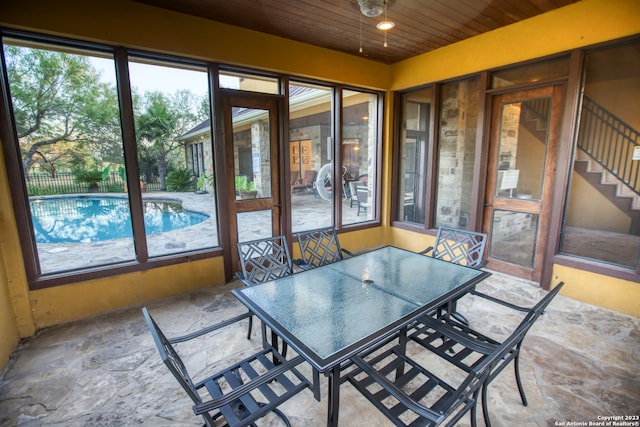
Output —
(330, 312)
(414, 277)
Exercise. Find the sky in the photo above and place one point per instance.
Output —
(147, 77)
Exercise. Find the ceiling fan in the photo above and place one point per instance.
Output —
(371, 8)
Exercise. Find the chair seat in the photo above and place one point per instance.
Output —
(453, 341)
(240, 393)
(466, 348)
(407, 393)
(264, 399)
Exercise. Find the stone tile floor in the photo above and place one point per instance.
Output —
(578, 363)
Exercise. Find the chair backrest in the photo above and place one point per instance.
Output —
(294, 177)
(363, 194)
(171, 358)
(266, 259)
(320, 247)
(309, 178)
(460, 246)
(353, 187)
(539, 308)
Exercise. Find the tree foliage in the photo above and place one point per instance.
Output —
(67, 117)
(62, 110)
(160, 120)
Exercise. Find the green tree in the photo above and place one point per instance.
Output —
(160, 120)
(62, 109)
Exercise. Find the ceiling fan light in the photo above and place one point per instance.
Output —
(371, 8)
(385, 25)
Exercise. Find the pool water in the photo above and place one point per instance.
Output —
(96, 219)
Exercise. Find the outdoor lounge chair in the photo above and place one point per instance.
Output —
(465, 348)
(294, 178)
(320, 247)
(240, 393)
(308, 179)
(363, 199)
(353, 185)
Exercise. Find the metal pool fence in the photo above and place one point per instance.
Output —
(42, 184)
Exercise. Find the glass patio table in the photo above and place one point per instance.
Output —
(330, 313)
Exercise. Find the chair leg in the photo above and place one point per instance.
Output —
(456, 315)
(485, 406)
(474, 414)
(250, 327)
(284, 419)
(460, 318)
(516, 367)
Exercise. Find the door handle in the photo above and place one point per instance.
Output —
(486, 205)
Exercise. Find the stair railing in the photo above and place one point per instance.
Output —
(610, 142)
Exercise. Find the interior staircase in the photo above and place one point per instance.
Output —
(611, 187)
(603, 155)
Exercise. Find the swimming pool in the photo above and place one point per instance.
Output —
(99, 218)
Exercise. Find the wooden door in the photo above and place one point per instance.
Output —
(251, 137)
(522, 161)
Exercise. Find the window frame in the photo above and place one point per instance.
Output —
(141, 260)
(573, 106)
(568, 132)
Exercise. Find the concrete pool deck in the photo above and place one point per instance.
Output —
(309, 212)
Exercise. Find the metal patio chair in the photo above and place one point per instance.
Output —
(409, 394)
(240, 393)
(320, 247)
(460, 247)
(465, 348)
(263, 260)
(353, 185)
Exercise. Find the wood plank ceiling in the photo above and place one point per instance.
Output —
(420, 25)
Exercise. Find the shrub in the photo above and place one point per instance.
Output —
(181, 180)
(90, 177)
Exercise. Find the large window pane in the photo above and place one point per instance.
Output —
(310, 154)
(602, 219)
(359, 147)
(171, 108)
(521, 152)
(413, 156)
(530, 73)
(456, 152)
(66, 115)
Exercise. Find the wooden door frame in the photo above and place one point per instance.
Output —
(262, 102)
(544, 209)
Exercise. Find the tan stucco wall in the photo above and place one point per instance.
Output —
(590, 209)
(615, 294)
(15, 310)
(131, 24)
(581, 24)
(124, 22)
